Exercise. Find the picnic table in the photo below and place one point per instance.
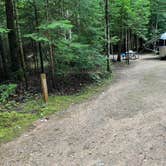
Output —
(130, 55)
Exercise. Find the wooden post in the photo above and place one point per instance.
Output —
(44, 87)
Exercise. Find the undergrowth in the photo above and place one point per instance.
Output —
(21, 117)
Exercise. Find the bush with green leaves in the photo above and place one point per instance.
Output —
(72, 55)
(76, 57)
(6, 90)
(3, 30)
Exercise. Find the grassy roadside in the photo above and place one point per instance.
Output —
(16, 122)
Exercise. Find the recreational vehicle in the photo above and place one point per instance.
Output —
(162, 46)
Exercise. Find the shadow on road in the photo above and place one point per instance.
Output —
(152, 58)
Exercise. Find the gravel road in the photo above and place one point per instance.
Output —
(125, 125)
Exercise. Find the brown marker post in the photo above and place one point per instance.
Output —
(44, 87)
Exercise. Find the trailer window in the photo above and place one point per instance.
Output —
(162, 42)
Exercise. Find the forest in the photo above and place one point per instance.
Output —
(73, 43)
(70, 39)
(69, 91)
(69, 51)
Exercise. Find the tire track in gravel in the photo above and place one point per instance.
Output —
(123, 126)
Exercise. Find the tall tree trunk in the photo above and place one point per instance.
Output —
(137, 40)
(20, 43)
(126, 41)
(120, 46)
(4, 64)
(112, 52)
(38, 44)
(119, 51)
(70, 31)
(12, 35)
(107, 34)
(129, 40)
(51, 49)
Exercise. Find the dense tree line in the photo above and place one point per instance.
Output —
(60, 37)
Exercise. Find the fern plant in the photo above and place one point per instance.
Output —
(6, 91)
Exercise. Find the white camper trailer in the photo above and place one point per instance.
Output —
(162, 46)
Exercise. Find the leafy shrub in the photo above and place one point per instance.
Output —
(76, 57)
(6, 119)
(6, 91)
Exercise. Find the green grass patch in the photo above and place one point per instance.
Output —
(13, 123)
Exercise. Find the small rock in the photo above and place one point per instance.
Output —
(100, 163)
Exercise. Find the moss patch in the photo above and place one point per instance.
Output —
(12, 124)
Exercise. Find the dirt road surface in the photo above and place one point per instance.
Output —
(123, 126)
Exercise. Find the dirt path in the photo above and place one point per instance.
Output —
(124, 126)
